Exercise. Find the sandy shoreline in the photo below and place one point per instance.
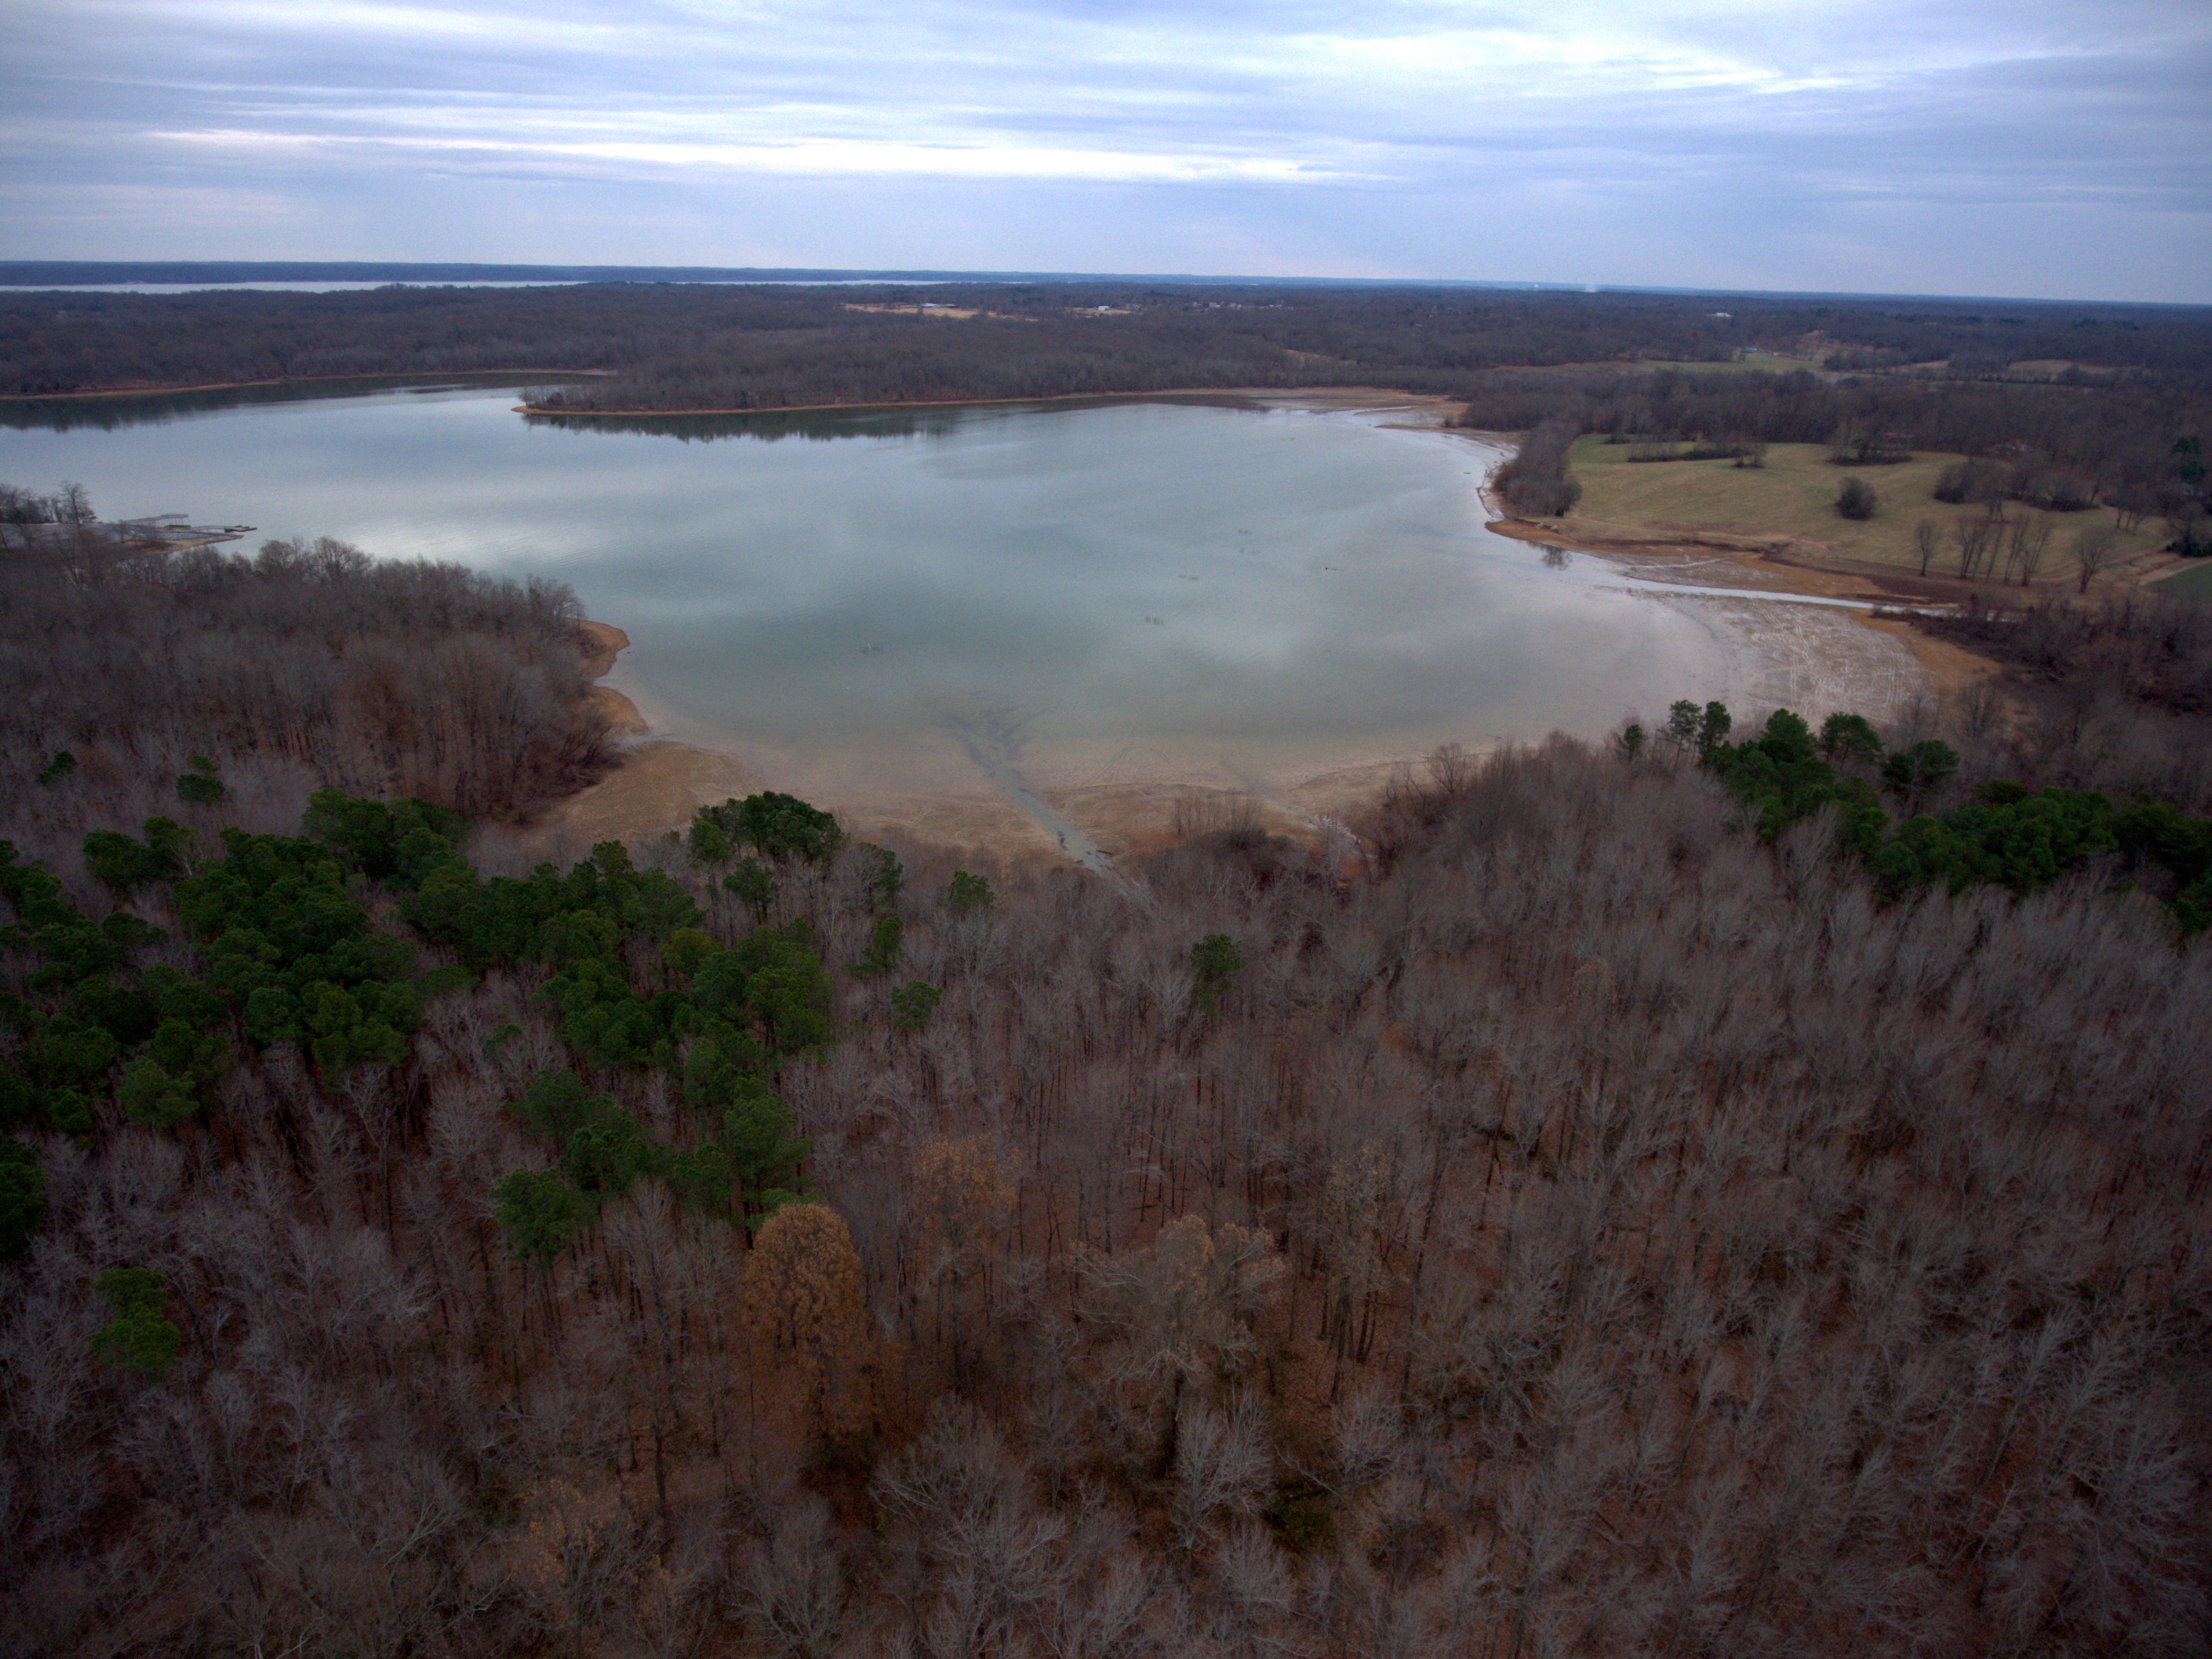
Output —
(1763, 653)
(1699, 560)
(1775, 562)
(603, 644)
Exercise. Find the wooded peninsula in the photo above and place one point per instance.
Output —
(1737, 1184)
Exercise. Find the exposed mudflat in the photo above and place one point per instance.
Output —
(1763, 653)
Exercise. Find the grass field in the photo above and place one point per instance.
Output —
(1763, 362)
(2195, 581)
(1793, 494)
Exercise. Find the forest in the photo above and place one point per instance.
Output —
(1740, 1187)
(670, 345)
(309, 665)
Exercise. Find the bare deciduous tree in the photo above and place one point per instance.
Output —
(2095, 548)
(795, 1588)
(1183, 1305)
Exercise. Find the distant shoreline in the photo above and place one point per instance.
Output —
(1340, 397)
(1344, 397)
(302, 379)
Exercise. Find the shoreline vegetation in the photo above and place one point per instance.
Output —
(307, 664)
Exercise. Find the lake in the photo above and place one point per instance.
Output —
(877, 603)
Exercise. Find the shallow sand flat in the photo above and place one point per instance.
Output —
(660, 785)
(662, 782)
(1764, 654)
(1815, 661)
(1945, 669)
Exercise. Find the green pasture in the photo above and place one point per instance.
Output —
(1793, 494)
(2195, 580)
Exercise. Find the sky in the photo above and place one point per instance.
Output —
(2044, 148)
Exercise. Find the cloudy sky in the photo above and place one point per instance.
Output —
(2040, 148)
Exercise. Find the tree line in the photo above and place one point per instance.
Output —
(672, 346)
(2143, 650)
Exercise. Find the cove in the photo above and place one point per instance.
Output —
(882, 603)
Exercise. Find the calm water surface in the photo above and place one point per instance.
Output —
(1119, 590)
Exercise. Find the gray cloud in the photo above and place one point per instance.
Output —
(2034, 148)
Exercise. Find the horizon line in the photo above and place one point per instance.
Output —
(57, 274)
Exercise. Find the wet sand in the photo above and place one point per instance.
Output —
(1720, 560)
(1092, 808)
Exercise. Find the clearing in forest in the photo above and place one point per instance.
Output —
(2194, 581)
(1793, 498)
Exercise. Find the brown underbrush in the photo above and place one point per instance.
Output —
(1590, 1232)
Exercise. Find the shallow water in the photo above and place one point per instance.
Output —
(897, 601)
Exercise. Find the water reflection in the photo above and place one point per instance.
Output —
(828, 425)
(1116, 587)
(105, 413)
(768, 425)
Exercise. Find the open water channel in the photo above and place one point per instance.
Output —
(918, 601)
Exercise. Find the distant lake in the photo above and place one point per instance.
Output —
(1125, 589)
